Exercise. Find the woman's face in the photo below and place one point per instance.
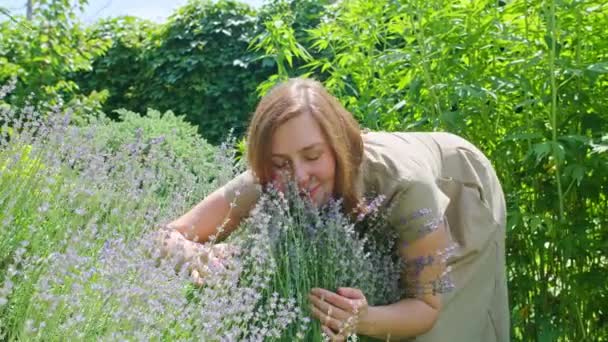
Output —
(300, 149)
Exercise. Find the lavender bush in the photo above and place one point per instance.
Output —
(79, 223)
(63, 197)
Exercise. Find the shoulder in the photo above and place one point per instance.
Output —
(399, 159)
(401, 167)
(387, 153)
(242, 192)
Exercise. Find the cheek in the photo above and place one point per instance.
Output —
(329, 171)
(279, 180)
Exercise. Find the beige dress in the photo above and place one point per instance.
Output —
(429, 178)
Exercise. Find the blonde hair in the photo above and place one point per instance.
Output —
(300, 96)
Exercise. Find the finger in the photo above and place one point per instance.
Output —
(224, 250)
(332, 336)
(196, 278)
(351, 293)
(216, 265)
(326, 319)
(344, 303)
(233, 250)
(356, 297)
(325, 307)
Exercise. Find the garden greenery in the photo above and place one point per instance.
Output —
(43, 52)
(196, 64)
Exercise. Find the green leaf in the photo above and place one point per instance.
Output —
(398, 106)
(548, 332)
(602, 147)
(576, 172)
(600, 68)
(523, 136)
(542, 150)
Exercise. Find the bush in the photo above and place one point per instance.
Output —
(122, 68)
(172, 135)
(66, 191)
(197, 64)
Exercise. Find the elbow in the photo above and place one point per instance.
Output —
(431, 313)
(433, 317)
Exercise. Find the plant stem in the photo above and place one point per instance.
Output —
(554, 89)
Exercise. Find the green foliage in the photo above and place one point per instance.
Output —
(279, 44)
(299, 15)
(197, 64)
(121, 69)
(361, 67)
(44, 51)
(306, 14)
(26, 166)
(203, 69)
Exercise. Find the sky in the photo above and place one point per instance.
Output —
(156, 10)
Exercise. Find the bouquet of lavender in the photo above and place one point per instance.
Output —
(289, 247)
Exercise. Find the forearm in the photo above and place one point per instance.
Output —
(403, 319)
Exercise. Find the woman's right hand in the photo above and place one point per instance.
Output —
(202, 260)
(214, 259)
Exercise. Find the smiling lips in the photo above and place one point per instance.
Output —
(312, 191)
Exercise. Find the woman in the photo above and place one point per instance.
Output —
(441, 192)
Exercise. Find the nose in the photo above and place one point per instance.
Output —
(301, 175)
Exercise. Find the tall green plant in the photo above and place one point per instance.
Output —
(279, 45)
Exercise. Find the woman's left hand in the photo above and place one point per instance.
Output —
(338, 312)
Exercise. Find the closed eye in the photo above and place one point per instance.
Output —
(280, 164)
(313, 155)
(312, 158)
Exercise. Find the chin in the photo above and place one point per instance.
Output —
(320, 200)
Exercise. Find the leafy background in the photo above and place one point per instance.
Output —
(524, 80)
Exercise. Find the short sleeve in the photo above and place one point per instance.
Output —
(418, 209)
(242, 192)
(425, 242)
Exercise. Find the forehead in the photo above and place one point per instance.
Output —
(296, 134)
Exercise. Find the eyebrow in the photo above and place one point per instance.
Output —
(307, 148)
